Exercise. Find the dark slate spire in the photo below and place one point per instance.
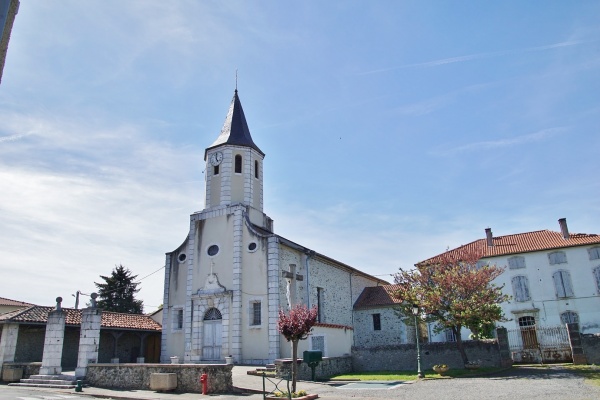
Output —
(235, 129)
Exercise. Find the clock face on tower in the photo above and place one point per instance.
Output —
(216, 158)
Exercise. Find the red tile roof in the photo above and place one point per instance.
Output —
(9, 302)
(114, 320)
(335, 326)
(377, 296)
(523, 243)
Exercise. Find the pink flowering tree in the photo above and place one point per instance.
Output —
(296, 326)
(454, 291)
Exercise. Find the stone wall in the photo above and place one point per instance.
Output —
(393, 329)
(404, 356)
(137, 376)
(30, 343)
(591, 347)
(328, 367)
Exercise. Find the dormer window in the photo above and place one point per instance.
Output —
(238, 164)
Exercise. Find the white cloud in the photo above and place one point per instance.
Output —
(494, 144)
(115, 196)
(478, 56)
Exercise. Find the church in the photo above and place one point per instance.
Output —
(227, 281)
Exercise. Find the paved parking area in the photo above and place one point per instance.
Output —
(550, 383)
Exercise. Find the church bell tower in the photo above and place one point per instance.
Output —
(234, 173)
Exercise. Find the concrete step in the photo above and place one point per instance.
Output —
(45, 385)
(47, 381)
(61, 377)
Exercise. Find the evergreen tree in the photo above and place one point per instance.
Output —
(118, 292)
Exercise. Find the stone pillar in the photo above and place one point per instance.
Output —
(576, 347)
(8, 345)
(54, 340)
(89, 337)
(503, 347)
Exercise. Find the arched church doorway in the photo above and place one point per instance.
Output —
(212, 337)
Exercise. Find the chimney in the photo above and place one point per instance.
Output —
(488, 235)
(563, 228)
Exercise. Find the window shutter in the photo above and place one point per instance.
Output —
(597, 275)
(558, 284)
(566, 277)
(594, 253)
(520, 288)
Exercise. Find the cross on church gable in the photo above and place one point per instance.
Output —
(291, 277)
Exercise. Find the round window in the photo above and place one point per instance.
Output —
(252, 246)
(182, 257)
(213, 250)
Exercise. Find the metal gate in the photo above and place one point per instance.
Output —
(534, 344)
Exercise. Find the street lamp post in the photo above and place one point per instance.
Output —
(415, 311)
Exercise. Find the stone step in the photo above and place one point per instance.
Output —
(61, 377)
(48, 381)
(45, 385)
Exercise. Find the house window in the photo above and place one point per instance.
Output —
(177, 322)
(480, 264)
(520, 286)
(376, 322)
(594, 253)
(562, 284)
(320, 301)
(597, 276)
(516, 262)
(238, 164)
(557, 257)
(216, 170)
(526, 321)
(569, 317)
(256, 169)
(450, 336)
(255, 313)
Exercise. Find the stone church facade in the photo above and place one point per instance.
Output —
(226, 282)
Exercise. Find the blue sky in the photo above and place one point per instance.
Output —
(392, 129)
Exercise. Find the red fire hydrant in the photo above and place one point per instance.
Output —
(204, 382)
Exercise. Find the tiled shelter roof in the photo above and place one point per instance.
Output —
(522, 243)
(113, 320)
(374, 296)
(8, 302)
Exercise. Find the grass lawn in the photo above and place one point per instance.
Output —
(591, 373)
(411, 375)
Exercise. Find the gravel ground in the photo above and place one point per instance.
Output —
(554, 383)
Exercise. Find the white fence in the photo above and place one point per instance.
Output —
(534, 344)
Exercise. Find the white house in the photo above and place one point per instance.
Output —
(226, 282)
(553, 277)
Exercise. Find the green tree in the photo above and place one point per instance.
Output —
(117, 293)
(296, 326)
(452, 290)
